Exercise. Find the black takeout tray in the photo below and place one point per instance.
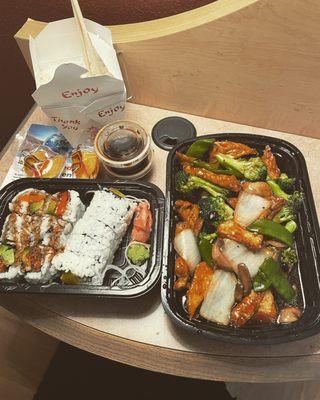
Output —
(291, 161)
(139, 285)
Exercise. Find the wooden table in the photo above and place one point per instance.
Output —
(138, 332)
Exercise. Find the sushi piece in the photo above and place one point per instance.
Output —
(66, 205)
(8, 269)
(96, 237)
(31, 230)
(35, 263)
(114, 211)
(89, 269)
(54, 232)
(29, 201)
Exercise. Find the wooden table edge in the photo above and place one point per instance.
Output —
(159, 359)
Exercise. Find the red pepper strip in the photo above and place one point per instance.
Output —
(62, 205)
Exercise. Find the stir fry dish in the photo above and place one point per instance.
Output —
(50, 237)
(236, 214)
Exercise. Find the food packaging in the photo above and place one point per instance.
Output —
(307, 240)
(139, 284)
(79, 84)
(124, 149)
(45, 153)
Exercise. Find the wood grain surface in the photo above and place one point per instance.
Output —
(254, 62)
(25, 354)
(138, 332)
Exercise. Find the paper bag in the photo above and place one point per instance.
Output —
(77, 100)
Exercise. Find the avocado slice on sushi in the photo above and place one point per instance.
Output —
(51, 207)
(3, 248)
(36, 206)
(8, 257)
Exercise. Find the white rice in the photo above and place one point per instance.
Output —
(75, 208)
(11, 274)
(96, 237)
(46, 274)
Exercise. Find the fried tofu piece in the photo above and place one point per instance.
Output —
(232, 149)
(182, 273)
(267, 310)
(232, 230)
(189, 213)
(246, 309)
(225, 181)
(270, 162)
(199, 286)
(232, 201)
(184, 158)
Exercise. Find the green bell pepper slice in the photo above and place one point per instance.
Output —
(272, 230)
(269, 274)
(205, 247)
(199, 148)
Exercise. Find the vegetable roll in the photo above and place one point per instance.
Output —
(115, 212)
(88, 268)
(96, 237)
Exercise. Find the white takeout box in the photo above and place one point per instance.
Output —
(77, 102)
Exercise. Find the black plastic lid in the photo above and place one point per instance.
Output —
(170, 131)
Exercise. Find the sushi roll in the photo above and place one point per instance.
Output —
(8, 268)
(111, 210)
(54, 232)
(91, 246)
(89, 269)
(66, 205)
(29, 201)
(31, 230)
(35, 263)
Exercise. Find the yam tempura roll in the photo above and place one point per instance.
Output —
(30, 230)
(35, 263)
(30, 201)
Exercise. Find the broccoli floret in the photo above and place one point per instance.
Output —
(290, 209)
(214, 210)
(252, 169)
(286, 183)
(281, 186)
(276, 189)
(186, 183)
(207, 236)
(289, 258)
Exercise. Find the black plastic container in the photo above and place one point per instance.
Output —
(307, 237)
(139, 284)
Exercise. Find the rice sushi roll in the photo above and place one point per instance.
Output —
(66, 205)
(113, 211)
(91, 246)
(8, 269)
(89, 269)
